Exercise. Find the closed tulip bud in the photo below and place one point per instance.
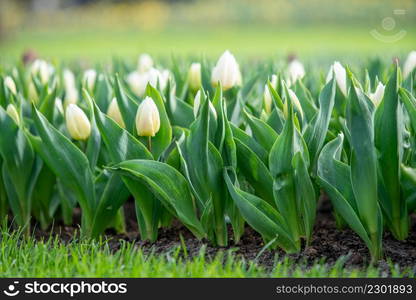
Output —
(71, 96)
(12, 112)
(59, 106)
(147, 118)
(9, 83)
(296, 104)
(77, 123)
(69, 79)
(145, 63)
(267, 97)
(194, 76)
(226, 71)
(197, 105)
(409, 64)
(340, 76)
(89, 78)
(43, 69)
(296, 71)
(138, 81)
(114, 113)
(378, 94)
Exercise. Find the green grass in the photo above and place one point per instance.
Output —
(256, 41)
(27, 257)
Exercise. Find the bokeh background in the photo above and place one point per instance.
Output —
(96, 30)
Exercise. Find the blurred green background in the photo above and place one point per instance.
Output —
(97, 30)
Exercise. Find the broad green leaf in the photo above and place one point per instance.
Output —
(262, 132)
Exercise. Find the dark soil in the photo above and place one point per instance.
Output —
(328, 243)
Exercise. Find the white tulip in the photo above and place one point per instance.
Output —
(9, 83)
(340, 76)
(145, 63)
(409, 64)
(71, 96)
(226, 71)
(69, 79)
(138, 81)
(197, 105)
(89, 78)
(296, 104)
(267, 97)
(114, 113)
(378, 94)
(296, 71)
(43, 69)
(147, 118)
(194, 76)
(77, 123)
(12, 112)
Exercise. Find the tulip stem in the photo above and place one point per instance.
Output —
(149, 143)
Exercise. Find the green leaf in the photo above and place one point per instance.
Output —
(262, 132)
(128, 107)
(169, 186)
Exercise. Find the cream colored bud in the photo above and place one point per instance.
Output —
(43, 69)
(9, 83)
(33, 94)
(378, 94)
(267, 96)
(147, 118)
(77, 123)
(295, 102)
(409, 64)
(69, 79)
(296, 71)
(340, 76)
(226, 71)
(114, 113)
(71, 96)
(12, 112)
(89, 78)
(194, 76)
(138, 81)
(145, 63)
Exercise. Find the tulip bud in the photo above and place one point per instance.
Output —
(296, 104)
(139, 81)
(33, 94)
(9, 83)
(340, 76)
(71, 96)
(194, 76)
(267, 97)
(42, 69)
(409, 64)
(89, 78)
(114, 113)
(296, 71)
(147, 118)
(69, 79)
(378, 94)
(145, 63)
(226, 71)
(12, 112)
(197, 105)
(77, 123)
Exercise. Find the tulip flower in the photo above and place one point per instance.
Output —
(71, 96)
(194, 76)
(9, 83)
(267, 97)
(33, 94)
(138, 81)
(147, 118)
(69, 79)
(43, 69)
(12, 112)
(77, 123)
(295, 102)
(145, 63)
(378, 94)
(226, 71)
(409, 64)
(197, 105)
(296, 71)
(89, 78)
(114, 113)
(340, 76)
